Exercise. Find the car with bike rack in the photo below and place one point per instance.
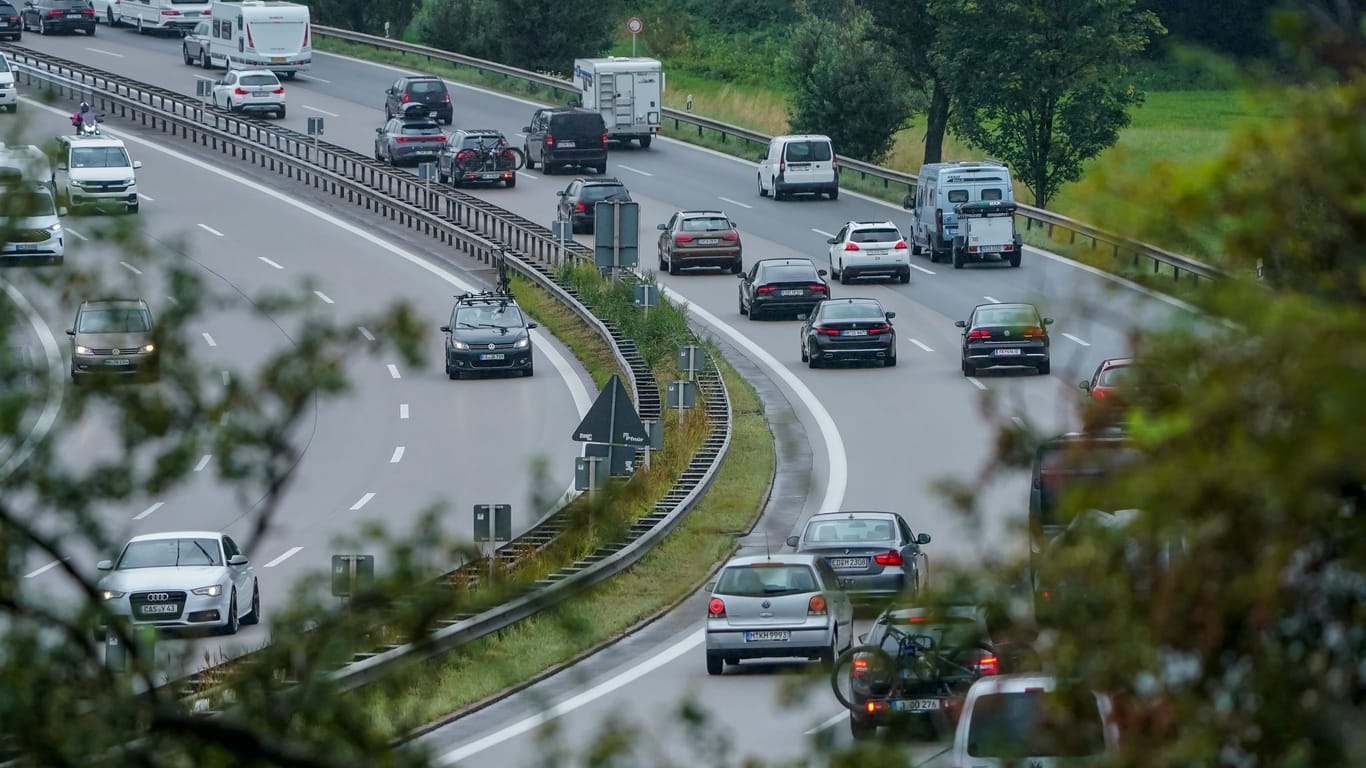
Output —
(479, 156)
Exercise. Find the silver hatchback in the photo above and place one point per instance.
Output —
(777, 606)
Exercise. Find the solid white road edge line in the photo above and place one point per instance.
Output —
(822, 232)
(106, 53)
(291, 552)
(56, 376)
(149, 510)
(574, 702)
(203, 462)
(398, 455)
(1082, 342)
(76, 234)
(269, 262)
(829, 722)
(325, 298)
(393, 371)
(208, 339)
(922, 345)
(130, 267)
(325, 112)
(403, 410)
(362, 502)
(210, 230)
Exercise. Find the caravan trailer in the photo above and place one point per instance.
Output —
(153, 15)
(261, 34)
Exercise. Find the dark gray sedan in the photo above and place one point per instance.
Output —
(999, 335)
(875, 554)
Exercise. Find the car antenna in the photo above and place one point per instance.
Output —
(767, 551)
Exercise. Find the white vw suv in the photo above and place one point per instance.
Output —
(182, 580)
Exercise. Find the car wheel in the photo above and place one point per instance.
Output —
(230, 109)
(42, 26)
(889, 362)
(233, 623)
(255, 616)
(1045, 367)
(813, 358)
(452, 374)
(715, 664)
(90, 31)
(512, 181)
(906, 277)
(827, 657)
(861, 729)
(133, 208)
(109, 16)
(737, 267)
(969, 369)
(204, 61)
(741, 302)
(957, 258)
(673, 267)
(527, 371)
(185, 52)
(282, 112)
(805, 357)
(777, 191)
(762, 192)
(602, 168)
(844, 275)
(141, 31)
(1015, 259)
(526, 152)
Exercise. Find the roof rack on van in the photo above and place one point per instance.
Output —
(992, 161)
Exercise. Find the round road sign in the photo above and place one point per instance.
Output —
(634, 25)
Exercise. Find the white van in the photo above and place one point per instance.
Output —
(799, 164)
(9, 91)
(940, 189)
(261, 34)
(1010, 720)
(96, 171)
(154, 15)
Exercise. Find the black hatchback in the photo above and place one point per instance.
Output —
(577, 200)
(999, 335)
(48, 16)
(428, 91)
(782, 285)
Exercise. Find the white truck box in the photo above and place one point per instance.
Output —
(627, 91)
(261, 34)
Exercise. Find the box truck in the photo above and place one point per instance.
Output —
(627, 91)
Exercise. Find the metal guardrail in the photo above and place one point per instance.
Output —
(1033, 217)
(473, 228)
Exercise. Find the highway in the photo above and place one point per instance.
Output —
(880, 437)
(401, 440)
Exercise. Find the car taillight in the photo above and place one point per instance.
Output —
(716, 609)
(550, 140)
(448, 97)
(860, 665)
(900, 245)
(816, 606)
(404, 139)
(817, 287)
(979, 335)
(55, 13)
(828, 331)
(163, 13)
(464, 154)
(874, 331)
(406, 98)
(987, 664)
(680, 239)
(580, 207)
(91, 12)
(279, 91)
(1098, 394)
(604, 138)
(730, 237)
(851, 246)
(1033, 332)
(888, 558)
(239, 91)
(764, 289)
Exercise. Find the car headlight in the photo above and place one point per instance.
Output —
(111, 594)
(458, 344)
(82, 350)
(55, 228)
(523, 343)
(213, 590)
(149, 347)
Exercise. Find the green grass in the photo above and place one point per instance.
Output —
(561, 322)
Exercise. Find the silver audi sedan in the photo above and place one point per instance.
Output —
(782, 605)
(182, 580)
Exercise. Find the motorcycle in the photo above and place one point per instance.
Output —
(88, 126)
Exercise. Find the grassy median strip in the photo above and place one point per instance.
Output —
(492, 666)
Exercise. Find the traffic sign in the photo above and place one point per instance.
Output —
(351, 572)
(315, 126)
(647, 295)
(616, 239)
(590, 473)
(426, 171)
(691, 358)
(612, 419)
(498, 517)
(634, 25)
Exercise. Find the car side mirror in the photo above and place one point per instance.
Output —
(863, 638)
(661, 227)
(960, 323)
(822, 272)
(380, 130)
(743, 276)
(908, 203)
(103, 565)
(560, 193)
(61, 211)
(445, 329)
(70, 331)
(526, 129)
(891, 315)
(237, 560)
(1048, 321)
(137, 164)
(922, 539)
(530, 326)
(1085, 386)
(832, 241)
(792, 541)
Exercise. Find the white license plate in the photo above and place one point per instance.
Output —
(853, 333)
(495, 356)
(771, 635)
(149, 610)
(915, 705)
(797, 292)
(1006, 352)
(116, 362)
(21, 247)
(567, 144)
(263, 92)
(491, 175)
(848, 563)
(278, 59)
(708, 241)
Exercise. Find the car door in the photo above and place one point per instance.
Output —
(241, 574)
(836, 244)
(539, 126)
(221, 89)
(570, 197)
(747, 286)
(666, 237)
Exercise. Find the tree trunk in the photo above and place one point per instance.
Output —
(936, 123)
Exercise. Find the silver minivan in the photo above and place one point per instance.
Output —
(804, 164)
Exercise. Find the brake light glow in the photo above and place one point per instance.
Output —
(860, 665)
(240, 91)
(900, 245)
(1098, 393)
(716, 609)
(681, 239)
(979, 334)
(764, 289)
(279, 91)
(817, 287)
(828, 331)
(730, 237)
(464, 154)
(550, 140)
(580, 207)
(851, 246)
(55, 13)
(816, 606)
(889, 558)
(988, 665)
(604, 138)
(877, 705)
(875, 330)
(448, 97)
(163, 13)
(88, 12)
(1033, 332)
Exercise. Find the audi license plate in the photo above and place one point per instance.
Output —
(708, 241)
(566, 145)
(915, 705)
(1007, 352)
(770, 635)
(493, 356)
(796, 292)
(152, 610)
(116, 362)
(848, 563)
(853, 333)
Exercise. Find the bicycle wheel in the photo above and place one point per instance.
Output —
(470, 161)
(516, 156)
(869, 662)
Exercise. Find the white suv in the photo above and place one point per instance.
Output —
(96, 171)
(250, 90)
(869, 249)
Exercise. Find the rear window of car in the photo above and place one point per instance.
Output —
(787, 273)
(1007, 317)
(170, 553)
(577, 123)
(853, 531)
(7, 9)
(948, 632)
(1036, 724)
(851, 311)
(426, 86)
(709, 224)
(991, 194)
(261, 79)
(605, 192)
(874, 235)
(99, 157)
(420, 129)
(767, 580)
(808, 151)
(1116, 376)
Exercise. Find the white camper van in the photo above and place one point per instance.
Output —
(627, 91)
(153, 15)
(261, 34)
(940, 189)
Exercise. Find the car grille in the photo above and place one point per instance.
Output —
(145, 605)
(29, 236)
(104, 186)
(115, 351)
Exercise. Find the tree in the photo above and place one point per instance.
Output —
(1236, 28)
(462, 26)
(1042, 85)
(364, 16)
(845, 85)
(911, 34)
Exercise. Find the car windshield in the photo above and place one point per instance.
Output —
(851, 311)
(4, 63)
(875, 235)
(426, 86)
(169, 553)
(493, 316)
(1065, 467)
(706, 224)
(1015, 316)
(28, 201)
(99, 157)
(854, 531)
(946, 631)
(420, 129)
(788, 273)
(605, 192)
(1035, 724)
(766, 580)
(114, 321)
(808, 151)
(262, 79)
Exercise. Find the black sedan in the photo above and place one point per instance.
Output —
(409, 139)
(49, 16)
(848, 329)
(782, 285)
(998, 335)
(875, 554)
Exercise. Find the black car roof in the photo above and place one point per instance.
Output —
(601, 181)
(785, 261)
(417, 78)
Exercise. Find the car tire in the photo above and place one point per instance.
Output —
(813, 360)
(204, 61)
(282, 113)
(42, 27)
(645, 141)
(969, 369)
(957, 258)
(777, 192)
(906, 277)
(511, 182)
(715, 664)
(109, 16)
(805, 356)
(255, 616)
(827, 657)
(229, 106)
(762, 192)
(673, 267)
(233, 622)
(90, 31)
(601, 168)
(889, 362)
(528, 371)
(1015, 259)
(452, 374)
(861, 729)
(741, 302)
(844, 275)
(526, 152)
(133, 209)
(1045, 368)
(185, 52)
(140, 28)
(737, 267)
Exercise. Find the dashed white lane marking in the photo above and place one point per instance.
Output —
(208, 339)
(922, 269)
(992, 299)
(76, 234)
(223, 420)
(130, 267)
(403, 410)
(326, 299)
(210, 230)
(106, 53)
(526, 175)
(39, 571)
(1082, 342)
(398, 455)
(635, 170)
(203, 462)
(172, 299)
(149, 510)
(146, 197)
(323, 111)
(520, 135)
(734, 202)
(977, 383)
(227, 378)
(822, 232)
(366, 333)
(922, 345)
(832, 721)
(393, 371)
(314, 78)
(1019, 422)
(363, 501)
(269, 262)
(291, 552)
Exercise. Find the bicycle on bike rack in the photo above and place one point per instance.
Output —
(484, 162)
